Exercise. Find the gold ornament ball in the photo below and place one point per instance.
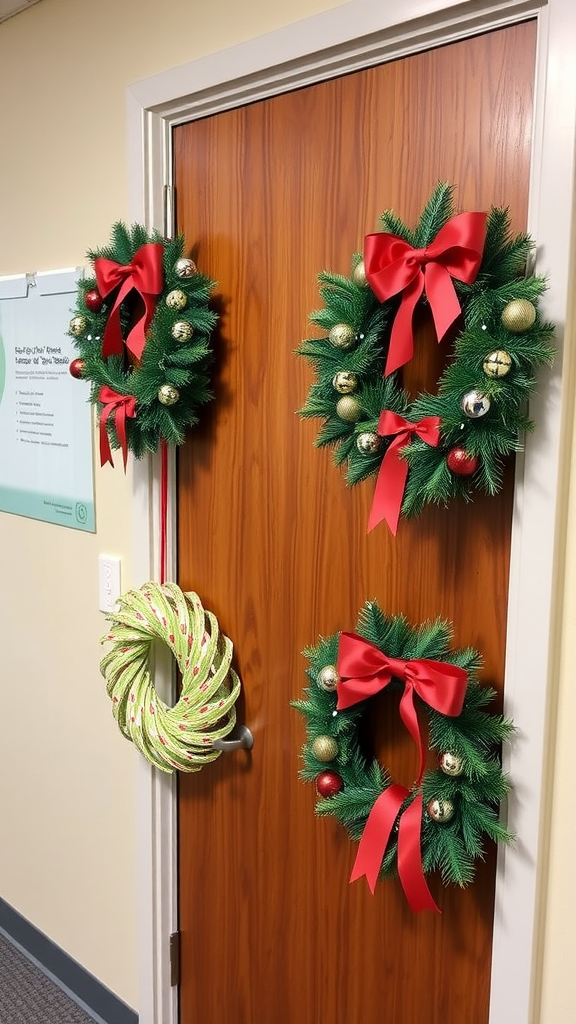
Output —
(325, 748)
(182, 330)
(451, 764)
(176, 299)
(184, 267)
(168, 394)
(77, 325)
(328, 678)
(440, 810)
(359, 275)
(342, 336)
(348, 409)
(345, 382)
(368, 442)
(497, 364)
(518, 315)
(475, 404)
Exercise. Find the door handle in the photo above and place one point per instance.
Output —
(239, 739)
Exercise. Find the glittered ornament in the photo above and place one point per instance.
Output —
(475, 404)
(497, 364)
(181, 330)
(77, 325)
(518, 315)
(328, 678)
(168, 394)
(93, 300)
(184, 267)
(451, 764)
(342, 336)
(461, 463)
(325, 748)
(345, 382)
(359, 275)
(348, 408)
(329, 783)
(440, 810)
(368, 442)
(176, 299)
(76, 368)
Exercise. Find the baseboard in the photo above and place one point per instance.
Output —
(64, 970)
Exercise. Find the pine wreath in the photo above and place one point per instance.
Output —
(471, 272)
(440, 824)
(142, 326)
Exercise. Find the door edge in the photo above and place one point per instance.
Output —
(323, 46)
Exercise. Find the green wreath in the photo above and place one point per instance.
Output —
(142, 326)
(441, 822)
(469, 270)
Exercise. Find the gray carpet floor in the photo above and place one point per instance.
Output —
(28, 996)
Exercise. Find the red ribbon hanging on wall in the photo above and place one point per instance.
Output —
(391, 481)
(393, 266)
(145, 275)
(363, 671)
(122, 407)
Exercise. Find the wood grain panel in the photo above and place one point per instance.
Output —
(276, 545)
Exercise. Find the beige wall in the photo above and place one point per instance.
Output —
(67, 780)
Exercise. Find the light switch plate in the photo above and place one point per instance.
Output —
(108, 582)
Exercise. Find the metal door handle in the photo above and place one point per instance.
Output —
(239, 739)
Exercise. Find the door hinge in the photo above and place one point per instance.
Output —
(175, 959)
(169, 211)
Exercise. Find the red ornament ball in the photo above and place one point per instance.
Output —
(328, 783)
(93, 300)
(76, 368)
(461, 463)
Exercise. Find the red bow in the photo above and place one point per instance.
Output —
(391, 481)
(364, 670)
(393, 266)
(122, 406)
(145, 275)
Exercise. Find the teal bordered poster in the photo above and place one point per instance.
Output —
(46, 468)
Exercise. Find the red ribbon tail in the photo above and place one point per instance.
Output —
(377, 833)
(442, 297)
(163, 507)
(401, 347)
(105, 450)
(410, 859)
(389, 490)
(136, 339)
(410, 719)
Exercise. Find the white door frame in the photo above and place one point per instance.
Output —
(359, 34)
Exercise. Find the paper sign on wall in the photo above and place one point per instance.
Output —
(46, 469)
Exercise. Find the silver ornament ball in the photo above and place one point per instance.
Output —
(182, 330)
(185, 267)
(176, 299)
(497, 364)
(168, 394)
(345, 382)
(368, 442)
(328, 678)
(348, 409)
(475, 404)
(77, 325)
(440, 810)
(451, 764)
(342, 336)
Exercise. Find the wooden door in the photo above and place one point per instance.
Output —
(276, 545)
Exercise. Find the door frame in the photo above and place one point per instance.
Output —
(359, 34)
